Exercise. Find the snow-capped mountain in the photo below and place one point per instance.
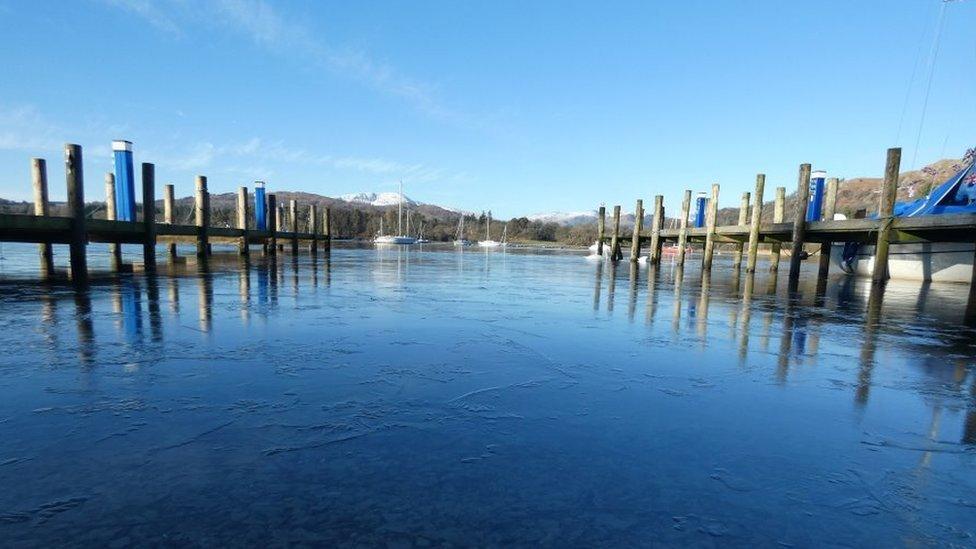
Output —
(377, 199)
(568, 219)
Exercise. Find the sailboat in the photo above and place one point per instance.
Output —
(420, 235)
(400, 237)
(488, 242)
(459, 239)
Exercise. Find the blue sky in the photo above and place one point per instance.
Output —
(512, 106)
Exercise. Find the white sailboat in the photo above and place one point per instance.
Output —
(488, 242)
(400, 237)
(459, 239)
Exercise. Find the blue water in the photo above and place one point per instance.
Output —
(413, 398)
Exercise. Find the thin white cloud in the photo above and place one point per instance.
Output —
(149, 11)
(23, 128)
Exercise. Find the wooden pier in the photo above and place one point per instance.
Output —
(750, 231)
(78, 231)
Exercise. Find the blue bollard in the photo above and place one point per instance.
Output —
(701, 203)
(260, 207)
(125, 182)
(815, 206)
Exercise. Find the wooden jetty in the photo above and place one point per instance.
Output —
(750, 230)
(78, 231)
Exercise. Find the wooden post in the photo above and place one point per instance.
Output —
(327, 228)
(313, 227)
(799, 224)
(710, 219)
(601, 229)
(242, 246)
(202, 210)
(830, 207)
(683, 228)
(615, 253)
(271, 246)
(75, 179)
(743, 219)
(656, 223)
(280, 223)
(149, 216)
(168, 199)
(42, 209)
(756, 220)
(293, 219)
(638, 225)
(779, 205)
(114, 248)
(886, 207)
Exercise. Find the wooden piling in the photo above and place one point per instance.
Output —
(75, 179)
(280, 223)
(42, 209)
(202, 211)
(149, 216)
(756, 220)
(638, 225)
(779, 207)
(242, 246)
(313, 227)
(271, 245)
(656, 223)
(327, 228)
(114, 248)
(168, 212)
(710, 219)
(683, 228)
(743, 220)
(799, 224)
(830, 207)
(886, 207)
(615, 253)
(601, 229)
(293, 219)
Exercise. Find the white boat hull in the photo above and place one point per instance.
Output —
(935, 262)
(489, 243)
(394, 240)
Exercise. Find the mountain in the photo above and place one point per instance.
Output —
(377, 199)
(565, 219)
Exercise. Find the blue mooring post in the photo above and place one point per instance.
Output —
(260, 207)
(125, 181)
(701, 202)
(815, 206)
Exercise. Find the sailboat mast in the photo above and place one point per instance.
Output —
(400, 211)
(488, 228)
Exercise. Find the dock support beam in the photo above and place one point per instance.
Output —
(271, 245)
(149, 216)
(779, 207)
(615, 252)
(242, 246)
(799, 224)
(830, 207)
(168, 199)
(635, 246)
(313, 227)
(293, 220)
(656, 223)
(601, 229)
(202, 210)
(327, 228)
(743, 220)
(710, 218)
(886, 207)
(683, 228)
(75, 179)
(42, 209)
(754, 227)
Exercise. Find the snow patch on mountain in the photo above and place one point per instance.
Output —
(377, 199)
(568, 219)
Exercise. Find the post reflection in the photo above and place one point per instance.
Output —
(871, 317)
(676, 315)
(701, 323)
(632, 303)
(244, 287)
(598, 286)
(205, 300)
(746, 316)
(611, 286)
(84, 325)
(653, 276)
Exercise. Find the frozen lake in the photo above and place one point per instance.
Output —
(412, 398)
